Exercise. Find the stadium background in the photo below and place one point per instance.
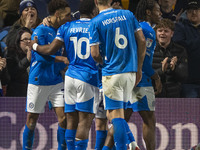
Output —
(177, 125)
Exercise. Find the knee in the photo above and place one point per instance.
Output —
(150, 124)
(31, 121)
(62, 121)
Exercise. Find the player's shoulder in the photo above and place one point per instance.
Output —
(65, 26)
(146, 26)
(40, 29)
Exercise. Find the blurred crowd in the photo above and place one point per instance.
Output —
(176, 58)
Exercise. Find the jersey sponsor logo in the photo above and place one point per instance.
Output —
(151, 34)
(149, 42)
(51, 34)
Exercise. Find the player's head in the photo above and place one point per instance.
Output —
(61, 10)
(148, 10)
(88, 8)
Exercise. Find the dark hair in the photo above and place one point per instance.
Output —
(56, 5)
(103, 2)
(142, 6)
(86, 7)
(19, 33)
(165, 23)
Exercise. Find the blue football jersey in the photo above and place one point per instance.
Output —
(147, 70)
(114, 31)
(43, 69)
(76, 38)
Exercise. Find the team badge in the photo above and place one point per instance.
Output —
(31, 105)
(28, 4)
(149, 42)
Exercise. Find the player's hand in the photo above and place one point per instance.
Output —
(62, 59)
(65, 60)
(116, 5)
(158, 86)
(173, 63)
(138, 76)
(164, 64)
(46, 21)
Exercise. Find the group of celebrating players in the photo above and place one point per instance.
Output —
(109, 73)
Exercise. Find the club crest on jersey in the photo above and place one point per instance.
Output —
(31, 105)
(149, 42)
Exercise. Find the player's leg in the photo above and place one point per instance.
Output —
(35, 105)
(100, 120)
(56, 97)
(28, 134)
(131, 140)
(62, 124)
(109, 142)
(82, 134)
(70, 95)
(119, 127)
(70, 134)
(149, 122)
(117, 90)
(144, 104)
(101, 132)
(85, 107)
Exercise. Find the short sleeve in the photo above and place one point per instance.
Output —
(136, 24)
(61, 32)
(39, 32)
(93, 34)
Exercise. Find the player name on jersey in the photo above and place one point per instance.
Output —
(113, 20)
(80, 29)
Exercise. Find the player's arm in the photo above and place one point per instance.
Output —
(141, 47)
(49, 49)
(62, 59)
(140, 39)
(96, 54)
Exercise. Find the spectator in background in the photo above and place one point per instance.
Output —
(9, 11)
(166, 7)
(187, 34)
(169, 60)
(180, 6)
(2, 66)
(28, 15)
(127, 4)
(28, 18)
(18, 61)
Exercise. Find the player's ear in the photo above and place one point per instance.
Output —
(96, 2)
(148, 12)
(57, 14)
